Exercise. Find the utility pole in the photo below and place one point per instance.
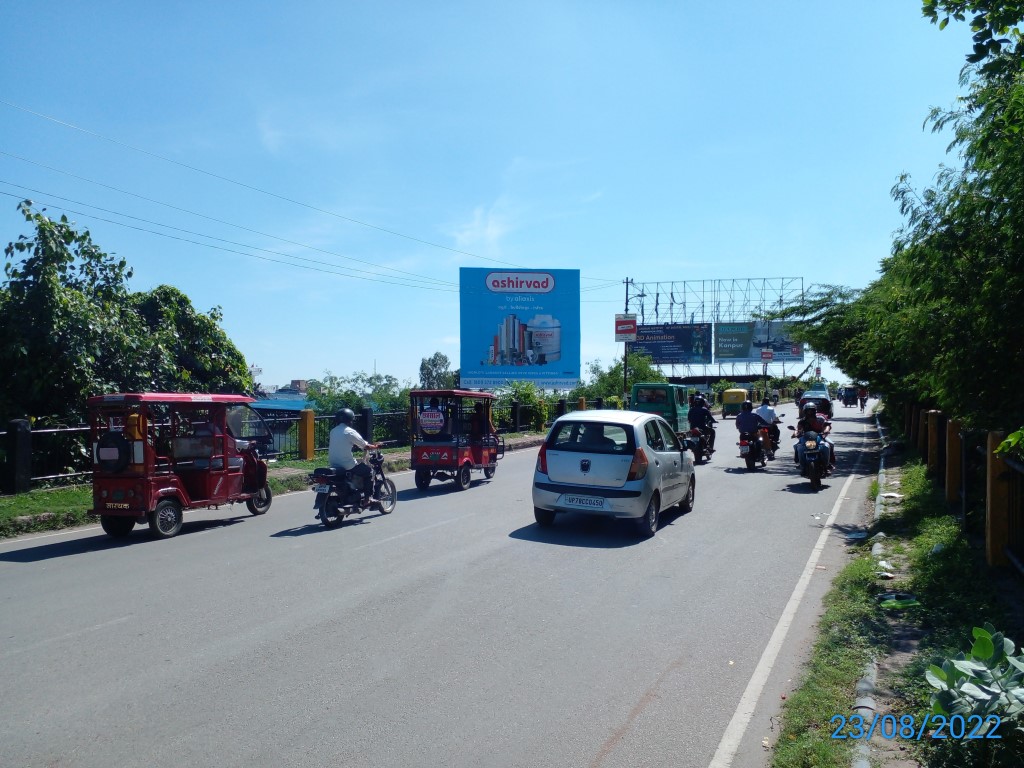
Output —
(625, 352)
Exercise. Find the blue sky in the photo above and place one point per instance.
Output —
(347, 158)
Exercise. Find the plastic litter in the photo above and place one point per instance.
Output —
(857, 536)
(885, 565)
(897, 600)
(884, 575)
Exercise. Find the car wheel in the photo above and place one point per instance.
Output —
(544, 517)
(463, 477)
(422, 479)
(165, 521)
(647, 525)
(686, 505)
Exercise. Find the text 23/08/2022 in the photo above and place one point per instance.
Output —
(909, 727)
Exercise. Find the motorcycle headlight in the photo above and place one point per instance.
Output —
(811, 445)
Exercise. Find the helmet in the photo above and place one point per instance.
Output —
(346, 416)
(766, 401)
(809, 407)
(698, 400)
(747, 405)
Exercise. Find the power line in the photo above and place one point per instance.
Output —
(197, 234)
(253, 188)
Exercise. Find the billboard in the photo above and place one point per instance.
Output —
(674, 343)
(745, 342)
(519, 325)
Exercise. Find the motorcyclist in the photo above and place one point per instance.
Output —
(700, 418)
(343, 439)
(862, 396)
(767, 412)
(812, 421)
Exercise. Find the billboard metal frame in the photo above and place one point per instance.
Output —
(714, 301)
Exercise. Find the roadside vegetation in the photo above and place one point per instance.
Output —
(938, 558)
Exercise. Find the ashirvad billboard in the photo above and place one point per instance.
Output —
(744, 342)
(519, 325)
(674, 343)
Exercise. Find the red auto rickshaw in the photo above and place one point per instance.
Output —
(156, 454)
(453, 436)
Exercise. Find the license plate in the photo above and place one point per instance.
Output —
(744, 449)
(321, 489)
(587, 502)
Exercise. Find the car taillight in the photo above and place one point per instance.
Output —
(542, 460)
(638, 467)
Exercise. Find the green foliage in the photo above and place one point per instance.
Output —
(382, 393)
(436, 373)
(991, 21)
(70, 328)
(1013, 445)
(608, 382)
(988, 679)
(528, 395)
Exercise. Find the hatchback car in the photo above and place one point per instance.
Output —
(613, 464)
(821, 398)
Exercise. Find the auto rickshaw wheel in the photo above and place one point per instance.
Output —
(489, 472)
(165, 521)
(117, 526)
(260, 503)
(463, 478)
(422, 479)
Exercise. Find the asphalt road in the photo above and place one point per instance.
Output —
(454, 632)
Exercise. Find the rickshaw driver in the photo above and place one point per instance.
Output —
(480, 424)
(343, 439)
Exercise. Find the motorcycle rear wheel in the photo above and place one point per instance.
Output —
(331, 515)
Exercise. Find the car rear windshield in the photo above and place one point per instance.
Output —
(591, 437)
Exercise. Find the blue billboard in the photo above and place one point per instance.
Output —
(519, 325)
(674, 343)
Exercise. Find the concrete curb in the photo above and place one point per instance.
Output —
(864, 704)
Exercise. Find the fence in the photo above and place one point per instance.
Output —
(966, 463)
(62, 455)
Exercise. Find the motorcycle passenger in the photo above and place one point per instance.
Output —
(771, 418)
(700, 418)
(812, 421)
(339, 452)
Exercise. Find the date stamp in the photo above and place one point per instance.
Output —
(915, 728)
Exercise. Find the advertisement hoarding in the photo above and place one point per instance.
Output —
(744, 343)
(519, 325)
(674, 343)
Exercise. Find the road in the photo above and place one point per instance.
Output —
(454, 632)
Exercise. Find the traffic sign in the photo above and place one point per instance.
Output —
(625, 327)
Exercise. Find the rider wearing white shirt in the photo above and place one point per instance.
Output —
(339, 451)
(768, 413)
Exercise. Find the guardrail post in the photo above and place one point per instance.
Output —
(921, 434)
(909, 422)
(581, 404)
(934, 467)
(307, 444)
(515, 415)
(953, 449)
(560, 408)
(17, 470)
(997, 503)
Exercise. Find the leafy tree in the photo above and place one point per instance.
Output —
(436, 373)
(607, 382)
(379, 391)
(70, 328)
(991, 20)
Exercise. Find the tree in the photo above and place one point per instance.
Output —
(992, 21)
(435, 373)
(70, 328)
(607, 383)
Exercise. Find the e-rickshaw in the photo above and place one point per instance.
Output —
(670, 401)
(453, 435)
(732, 401)
(157, 454)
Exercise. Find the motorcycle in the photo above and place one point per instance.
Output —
(702, 449)
(815, 458)
(338, 495)
(754, 447)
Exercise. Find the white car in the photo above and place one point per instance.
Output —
(614, 464)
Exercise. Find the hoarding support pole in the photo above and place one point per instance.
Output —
(625, 356)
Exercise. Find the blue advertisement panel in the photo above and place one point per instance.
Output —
(519, 325)
(674, 343)
(744, 342)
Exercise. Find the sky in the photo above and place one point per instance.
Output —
(321, 170)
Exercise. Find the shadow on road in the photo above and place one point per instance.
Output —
(315, 526)
(102, 541)
(589, 531)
